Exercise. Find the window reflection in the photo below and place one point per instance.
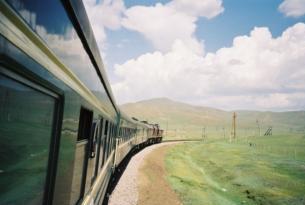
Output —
(26, 118)
(49, 20)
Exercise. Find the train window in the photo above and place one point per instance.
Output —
(80, 166)
(106, 128)
(111, 139)
(114, 135)
(85, 123)
(106, 136)
(95, 148)
(26, 118)
(99, 147)
(102, 146)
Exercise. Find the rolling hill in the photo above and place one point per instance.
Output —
(185, 120)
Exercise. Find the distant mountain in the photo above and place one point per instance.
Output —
(185, 119)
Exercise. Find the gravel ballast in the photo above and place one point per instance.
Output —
(126, 191)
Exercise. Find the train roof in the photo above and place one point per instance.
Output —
(84, 30)
(137, 122)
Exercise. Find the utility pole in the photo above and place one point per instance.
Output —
(203, 133)
(166, 128)
(259, 127)
(233, 131)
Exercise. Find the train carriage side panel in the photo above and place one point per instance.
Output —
(126, 139)
(51, 56)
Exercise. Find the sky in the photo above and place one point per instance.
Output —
(241, 54)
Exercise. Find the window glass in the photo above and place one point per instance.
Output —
(26, 120)
(80, 165)
(106, 128)
(98, 146)
(49, 20)
(111, 137)
(85, 124)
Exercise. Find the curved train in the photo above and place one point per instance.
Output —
(61, 131)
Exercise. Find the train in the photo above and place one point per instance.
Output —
(62, 134)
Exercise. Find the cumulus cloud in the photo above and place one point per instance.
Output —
(257, 71)
(106, 14)
(207, 8)
(163, 24)
(293, 8)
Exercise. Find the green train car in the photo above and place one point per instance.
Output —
(61, 132)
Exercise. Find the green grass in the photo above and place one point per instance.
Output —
(181, 120)
(270, 171)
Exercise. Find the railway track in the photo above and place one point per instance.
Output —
(182, 140)
(123, 165)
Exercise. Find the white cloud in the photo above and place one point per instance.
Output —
(293, 8)
(257, 71)
(106, 14)
(103, 15)
(206, 8)
(163, 24)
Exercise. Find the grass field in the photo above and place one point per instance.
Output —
(181, 120)
(269, 172)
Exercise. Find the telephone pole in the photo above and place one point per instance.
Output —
(259, 127)
(233, 131)
(203, 134)
(166, 128)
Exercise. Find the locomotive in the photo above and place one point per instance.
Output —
(61, 132)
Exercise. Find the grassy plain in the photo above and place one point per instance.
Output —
(269, 172)
(181, 120)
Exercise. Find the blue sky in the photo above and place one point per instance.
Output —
(176, 48)
(239, 18)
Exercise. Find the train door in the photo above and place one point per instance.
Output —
(81, 155)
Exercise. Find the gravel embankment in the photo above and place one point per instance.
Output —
(126, 192)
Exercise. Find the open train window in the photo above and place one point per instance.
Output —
(81, 155)
(28, 119)
(106, 137)
(85, 123)
(106, 128)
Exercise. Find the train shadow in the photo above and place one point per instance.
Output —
(115, 178)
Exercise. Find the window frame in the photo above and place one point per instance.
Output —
(20, 74)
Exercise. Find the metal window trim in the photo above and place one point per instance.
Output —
(33, 82)
(18, 32)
